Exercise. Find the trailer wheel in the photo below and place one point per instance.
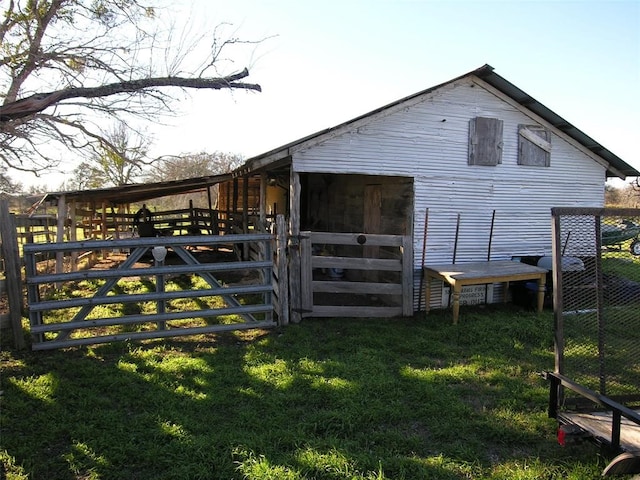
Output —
(627, 463)
(635, 247)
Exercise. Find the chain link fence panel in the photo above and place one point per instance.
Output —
(596, 281)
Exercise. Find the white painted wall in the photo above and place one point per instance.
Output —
(427, 139)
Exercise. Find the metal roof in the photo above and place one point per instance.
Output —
(617, 166)
(487, 74)
(139, 192)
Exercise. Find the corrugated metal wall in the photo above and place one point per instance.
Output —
(428, 140)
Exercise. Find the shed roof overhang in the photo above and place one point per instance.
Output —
(138, 192)
(616, 167)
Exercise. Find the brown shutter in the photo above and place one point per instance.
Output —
(534, 146)
(485, 141)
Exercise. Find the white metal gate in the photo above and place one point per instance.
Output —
(246, 304)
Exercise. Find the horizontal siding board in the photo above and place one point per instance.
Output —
(428, 141)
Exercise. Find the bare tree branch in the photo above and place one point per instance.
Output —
(70, 67)
(39, 102)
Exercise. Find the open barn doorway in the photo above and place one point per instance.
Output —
(359, 260)
(356, 203)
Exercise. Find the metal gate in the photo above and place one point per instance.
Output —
(168, 302)
(354, 275)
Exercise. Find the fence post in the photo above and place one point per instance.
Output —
(294, 248)
(11, 256)
(306, 274)
(407, 276)
(62, 217)
(283, 274)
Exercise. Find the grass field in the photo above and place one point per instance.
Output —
(410, 398)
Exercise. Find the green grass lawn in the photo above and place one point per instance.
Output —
(408, 398)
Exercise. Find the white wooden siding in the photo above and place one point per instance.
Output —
(428, 141)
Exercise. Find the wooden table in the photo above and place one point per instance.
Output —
(480, 273)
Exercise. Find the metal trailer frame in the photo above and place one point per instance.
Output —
(609, 417)
(615, 427)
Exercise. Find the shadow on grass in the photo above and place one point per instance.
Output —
(326, 399)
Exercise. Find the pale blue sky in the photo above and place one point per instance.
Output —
(333, 60)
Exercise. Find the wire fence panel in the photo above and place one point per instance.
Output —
(597, 295)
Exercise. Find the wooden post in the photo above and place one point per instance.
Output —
(306, 274)
(28, 234)
(294, 247)
(213, 221)
(283, 274)
(11, 256)
(105, 230)
(234, 206)
(228, 206)
(193, 222)
(73, 236)
(62, 217)
(263, 201)
(93, 257)
(407, 276)
(245, 204)
(245, 215)
(115, 218)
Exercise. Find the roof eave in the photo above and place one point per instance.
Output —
(615, 166)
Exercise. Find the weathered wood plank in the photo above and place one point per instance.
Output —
(306, 274)
(390, 265)
(370, 288)
(407, 276)
(526, 132)
(10, 253)
(295, 294)
(356, 239)
(357, 311)
(282, 270)
(485, 141)
(599, 424)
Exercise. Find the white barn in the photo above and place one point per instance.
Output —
(473, 166)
